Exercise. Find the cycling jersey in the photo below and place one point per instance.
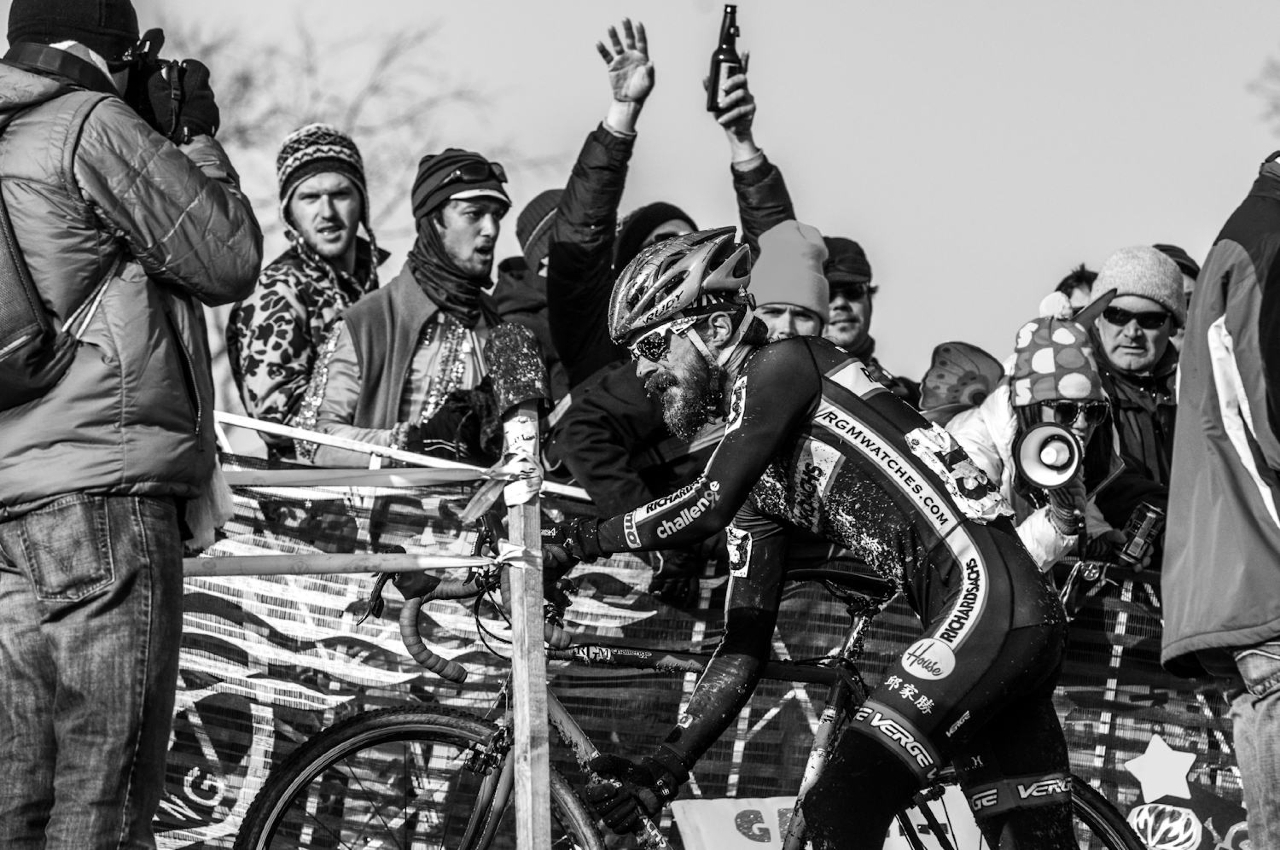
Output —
(814, 449)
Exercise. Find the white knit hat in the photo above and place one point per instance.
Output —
(1147, 272)
(789, 269)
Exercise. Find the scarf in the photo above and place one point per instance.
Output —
(865, 352)
(449, 288)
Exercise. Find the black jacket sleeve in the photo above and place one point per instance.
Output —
(595, 438)
(580, 257)
(763, 201)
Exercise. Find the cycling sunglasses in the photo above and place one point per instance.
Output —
(1067, 412)
(476, 171)
(1147, 321)
(653, 345)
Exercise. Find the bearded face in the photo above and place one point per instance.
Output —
(691, 393)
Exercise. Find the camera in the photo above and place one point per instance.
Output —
(144, 63)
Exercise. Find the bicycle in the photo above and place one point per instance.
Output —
(426, 776)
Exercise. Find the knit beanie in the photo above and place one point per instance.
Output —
(1053, 361)
(317, 149)
(533, 226)
(846, 262)
(107, 27)
(1181, 258)
(640, 223)
(1145, 271)
(432, 188)
(789, 268)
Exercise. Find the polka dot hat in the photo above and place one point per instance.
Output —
(1053, 361)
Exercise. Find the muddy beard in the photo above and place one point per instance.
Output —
(689, 401)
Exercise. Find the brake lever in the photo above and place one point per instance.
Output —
(376, 602)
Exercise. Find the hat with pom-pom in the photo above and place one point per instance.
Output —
(1053, 361)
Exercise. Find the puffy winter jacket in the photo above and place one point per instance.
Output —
(988, 433)
(93, 191)
(1222, 562)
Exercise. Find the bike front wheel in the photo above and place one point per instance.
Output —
(405, 777)
(946, 823)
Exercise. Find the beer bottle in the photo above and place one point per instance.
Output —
(725, 62)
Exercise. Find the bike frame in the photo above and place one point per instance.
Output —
(839, 672)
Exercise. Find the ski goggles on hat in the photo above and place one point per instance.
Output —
(1067, 412)
(475, 171)
(1147, 321)
(654, 344)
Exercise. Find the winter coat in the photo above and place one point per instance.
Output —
(988, 433)
(93, 191)
(1143, 411)
(580, 256)
(274, 335)
(1222, 560)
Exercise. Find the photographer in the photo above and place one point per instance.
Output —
(100, 474)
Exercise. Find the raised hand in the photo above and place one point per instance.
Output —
(739, 104)
(630, 70)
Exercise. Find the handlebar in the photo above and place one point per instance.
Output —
(555, 635)
(444, 589)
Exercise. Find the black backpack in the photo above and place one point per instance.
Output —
(34, 353)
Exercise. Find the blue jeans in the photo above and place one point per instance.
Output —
(1255, 714)
(90, 627)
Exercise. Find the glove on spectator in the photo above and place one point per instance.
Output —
(633, 789)
(465, 428)
(181, 100)
(1066, 505)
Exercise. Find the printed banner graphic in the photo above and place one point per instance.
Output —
(269, 661)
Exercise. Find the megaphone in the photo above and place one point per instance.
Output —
(1048, 455)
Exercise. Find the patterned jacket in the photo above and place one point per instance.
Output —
(273, 336)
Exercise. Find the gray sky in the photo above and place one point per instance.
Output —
(977, 150)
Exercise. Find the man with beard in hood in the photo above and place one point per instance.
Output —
(404, 367)
(815, 450)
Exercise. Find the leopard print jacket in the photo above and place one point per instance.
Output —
(274, 335)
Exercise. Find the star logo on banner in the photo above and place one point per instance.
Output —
(1162, 771)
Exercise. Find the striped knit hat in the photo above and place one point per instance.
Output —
(316, 149)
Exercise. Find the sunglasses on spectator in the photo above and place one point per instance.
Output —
(853, 290)
(476, 172)
(1147, 321)
(653, 345)
(1067, 412)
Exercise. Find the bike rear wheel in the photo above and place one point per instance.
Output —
(405, 777)
(947, 823)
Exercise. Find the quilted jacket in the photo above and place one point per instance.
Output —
(93, 191)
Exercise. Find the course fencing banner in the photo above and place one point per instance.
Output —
(268, 661)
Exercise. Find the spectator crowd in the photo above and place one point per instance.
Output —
(138, 214)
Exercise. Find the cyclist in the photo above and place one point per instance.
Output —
(816, 451)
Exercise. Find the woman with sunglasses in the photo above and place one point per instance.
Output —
(1054, 379)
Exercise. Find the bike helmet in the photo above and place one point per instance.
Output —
(686, 275)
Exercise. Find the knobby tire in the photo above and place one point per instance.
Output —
(399, 774)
